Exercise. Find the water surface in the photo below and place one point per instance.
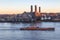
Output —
(7, 32)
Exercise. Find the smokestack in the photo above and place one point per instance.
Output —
(31, 8)
(39, 10)
(35, 8)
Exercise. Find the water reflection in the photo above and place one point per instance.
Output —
(19, 25)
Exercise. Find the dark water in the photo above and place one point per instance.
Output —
(7, 32)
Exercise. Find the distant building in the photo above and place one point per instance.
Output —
(31, 8)
(35, 8)
(39, 9)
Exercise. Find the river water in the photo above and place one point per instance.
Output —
(8, 31)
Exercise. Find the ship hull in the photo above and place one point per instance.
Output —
(37, 28)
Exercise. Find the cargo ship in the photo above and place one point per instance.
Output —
(37, 28)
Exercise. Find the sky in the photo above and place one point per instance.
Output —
(19, 6)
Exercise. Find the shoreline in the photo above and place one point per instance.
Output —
(30, 21)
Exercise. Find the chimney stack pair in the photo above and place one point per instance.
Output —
(35, 9)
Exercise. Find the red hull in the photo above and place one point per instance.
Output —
(36, 28)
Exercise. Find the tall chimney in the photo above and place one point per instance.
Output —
(39, 10)
(31, 8)
(35, 8)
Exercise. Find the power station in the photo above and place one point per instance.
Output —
(35, 9)
(31, 8)
(37, 13)
(39, 10)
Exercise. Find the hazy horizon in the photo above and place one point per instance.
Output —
(19, 6)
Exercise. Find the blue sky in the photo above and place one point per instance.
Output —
(19, 6)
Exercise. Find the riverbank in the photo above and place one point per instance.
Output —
(31, 21)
